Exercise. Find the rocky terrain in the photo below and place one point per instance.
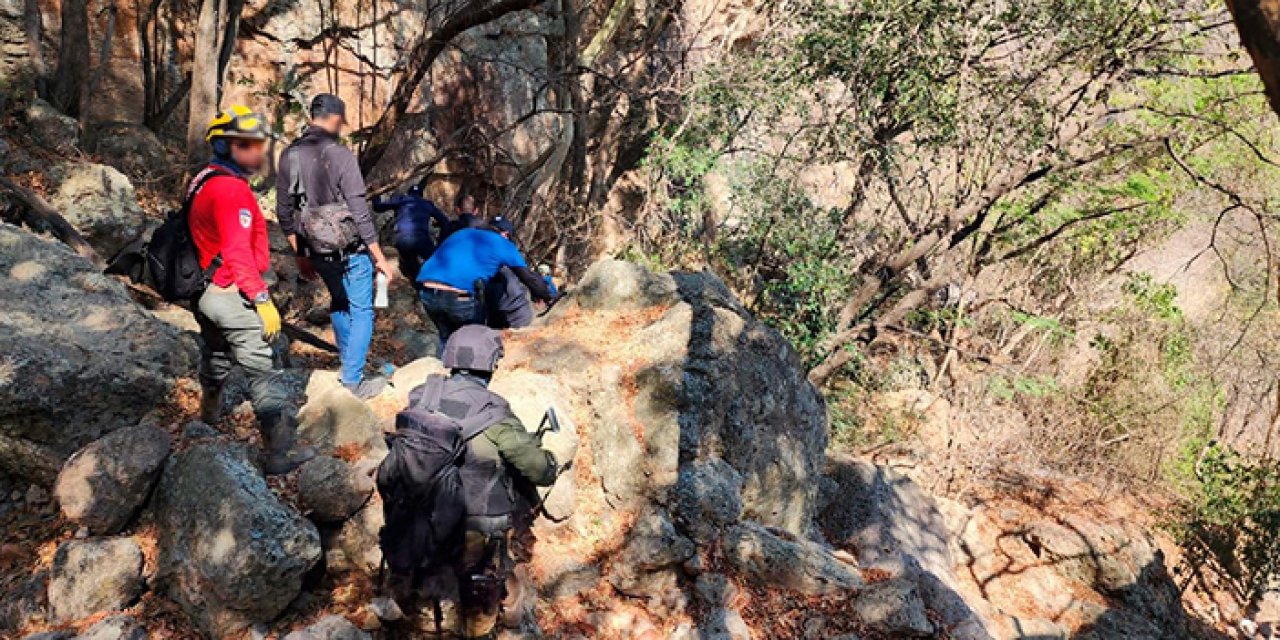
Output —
(701, 503)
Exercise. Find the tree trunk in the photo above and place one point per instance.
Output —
(33, 26)
(214, 44)
(429, 46)
(1258, 22)
(73, 58)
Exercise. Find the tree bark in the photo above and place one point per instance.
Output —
(73, 58)
(428, 47)
(1258, 22)
(214, 44)
(33, 26)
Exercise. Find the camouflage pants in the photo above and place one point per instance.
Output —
(231, 334)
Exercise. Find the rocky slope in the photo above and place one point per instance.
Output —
(701, 502)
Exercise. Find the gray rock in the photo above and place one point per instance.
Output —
(332, 490)
(330, 627)
(90, 576)
(131, 148)
(52, 128)
(101, 366)
(115, 628)
(36, 495)
(894, 608)
(100, 202)
(647, 564)
(744, 398)
(197, 430)
(25, 602)
(335, 419)
(708, 498)
(103, 485)
(796, 565)
(231, 554)
(355, 546)
(49, 635)
(616, 285)
(890, 523)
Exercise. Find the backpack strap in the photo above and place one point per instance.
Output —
(201, 180)
(432, 393)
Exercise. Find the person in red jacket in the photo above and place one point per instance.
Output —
(236, 316)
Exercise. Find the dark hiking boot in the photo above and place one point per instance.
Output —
(210, 404)
(280, 453)
(367, 388)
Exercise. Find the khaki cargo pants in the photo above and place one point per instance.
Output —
(231, 333)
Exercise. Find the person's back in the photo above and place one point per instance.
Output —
(414, 240)
(507, 302)
(493, 458)
(468, 256)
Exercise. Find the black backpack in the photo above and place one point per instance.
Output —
(420, 482)
(168, 262)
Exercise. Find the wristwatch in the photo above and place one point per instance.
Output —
(262, 298)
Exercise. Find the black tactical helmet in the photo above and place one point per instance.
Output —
(474, 347)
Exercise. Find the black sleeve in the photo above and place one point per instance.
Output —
(536, 285)
(284, 195)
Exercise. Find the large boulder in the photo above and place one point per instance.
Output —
(892, 525)
(52, 128)
(230, 553)
(331, 490)
(80, 358)
(104, 484)
(100, 202)
(90, 576)
(131, 148)
(337, 422)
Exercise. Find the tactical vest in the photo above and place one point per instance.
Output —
(488, 489)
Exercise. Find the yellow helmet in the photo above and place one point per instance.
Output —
(238, 121)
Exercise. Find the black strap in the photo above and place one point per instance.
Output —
(205, 176)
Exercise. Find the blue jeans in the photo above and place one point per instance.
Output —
(450, 312)
(351, 285)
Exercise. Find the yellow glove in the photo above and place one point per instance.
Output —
(270, 319)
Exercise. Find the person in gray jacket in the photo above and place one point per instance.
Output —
(314, 172)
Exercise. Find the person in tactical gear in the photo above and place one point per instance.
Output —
(494, 461)
(236, 315)
(506, 299)
(414, 240)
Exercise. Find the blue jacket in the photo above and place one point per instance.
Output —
(476, 255)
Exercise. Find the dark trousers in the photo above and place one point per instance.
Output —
(450, 312)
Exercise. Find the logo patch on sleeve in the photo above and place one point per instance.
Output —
(246, 218)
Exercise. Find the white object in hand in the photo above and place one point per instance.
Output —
(380, 296)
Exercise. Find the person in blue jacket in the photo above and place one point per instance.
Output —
(454, 278)
(414, 240)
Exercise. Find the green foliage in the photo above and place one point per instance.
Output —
(1009, 387)
(1232, 518)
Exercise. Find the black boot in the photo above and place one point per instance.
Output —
(210, 403)
(280, 453)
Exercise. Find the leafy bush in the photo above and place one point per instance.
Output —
(1232, 518)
